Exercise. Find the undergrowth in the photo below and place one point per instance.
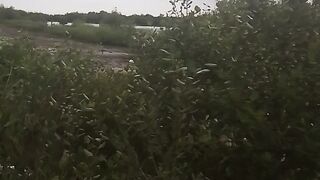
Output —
(233, 94)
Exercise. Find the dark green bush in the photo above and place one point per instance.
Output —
(229, 95)
(248, 104)
(58, 116)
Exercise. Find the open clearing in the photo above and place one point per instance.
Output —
(107, 55)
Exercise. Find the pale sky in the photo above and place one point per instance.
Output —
(128, 7)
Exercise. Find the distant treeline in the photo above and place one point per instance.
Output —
(102, 17)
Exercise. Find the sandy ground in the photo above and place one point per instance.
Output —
(116, 57)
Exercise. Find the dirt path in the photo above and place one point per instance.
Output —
(107, 55)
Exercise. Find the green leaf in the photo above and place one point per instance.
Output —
(88, 153)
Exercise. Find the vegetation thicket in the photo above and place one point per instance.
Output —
(230, 94)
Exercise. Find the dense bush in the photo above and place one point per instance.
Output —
(252, 89)
(233, 94)
(57, 116)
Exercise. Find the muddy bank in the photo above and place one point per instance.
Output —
(106, 55)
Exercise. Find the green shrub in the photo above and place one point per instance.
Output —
(238, 91)
(229, 95)
(57, 115)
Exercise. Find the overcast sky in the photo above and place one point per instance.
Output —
(128, 7)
